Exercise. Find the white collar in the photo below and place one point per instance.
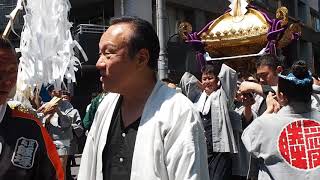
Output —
(316, 88)
(296, 108)
(3, 108)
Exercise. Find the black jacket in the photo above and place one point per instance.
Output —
(26, 150)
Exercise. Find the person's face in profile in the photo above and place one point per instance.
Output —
(8, 73)
(115, 66)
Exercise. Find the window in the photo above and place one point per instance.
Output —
(304, 51)
(302, 14)
(290, 5)
(314, 4)
(272, 4)
(315, 21)
(316, 55)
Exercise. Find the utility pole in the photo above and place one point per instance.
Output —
(122, 7)
(279, 4)
(161, 20)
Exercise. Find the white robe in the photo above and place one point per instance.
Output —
(315, 97)
(263, 139)
(170, 142)
(220, 104)
(3, 108)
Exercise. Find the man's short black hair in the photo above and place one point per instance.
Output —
(212, 68)
(65, 92)
(268, 60)
(316, 76)
(6, 44)
(50, 88)
(167, 80)
(143, 36)
(294, 92)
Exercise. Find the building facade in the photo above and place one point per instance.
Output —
(198, 13)
(307, 13)
(6, 6)
(90, 18)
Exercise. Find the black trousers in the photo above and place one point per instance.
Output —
(220, 166)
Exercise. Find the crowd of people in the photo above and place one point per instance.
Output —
(221, 127)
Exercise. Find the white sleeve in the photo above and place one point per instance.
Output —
(189, 87)
(228, 78)
(89, 155)
(185, 149)
(87, 163)
(251, 138)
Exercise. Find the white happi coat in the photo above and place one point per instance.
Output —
(287, 143)
(170, 142)
(220, 105)
(315, 97)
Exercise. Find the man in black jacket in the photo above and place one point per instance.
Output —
(26, 150)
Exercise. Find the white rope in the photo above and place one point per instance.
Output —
(238, 6)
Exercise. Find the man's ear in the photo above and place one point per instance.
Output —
(142, 57)
(280, 95)
(282, 99)
(279, 69)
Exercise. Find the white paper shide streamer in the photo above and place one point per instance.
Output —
(238, 7)
(46, 46)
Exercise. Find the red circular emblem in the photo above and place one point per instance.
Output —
(299, 144)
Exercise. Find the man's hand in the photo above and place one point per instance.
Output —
(200, 85)
(247, 99)
(273, 105)
(48, 112)
(48, 109)
(250, 87)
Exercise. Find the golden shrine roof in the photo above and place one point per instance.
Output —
(228, 31)
(244, 30)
